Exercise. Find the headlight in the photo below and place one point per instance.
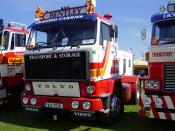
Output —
(33, 101)
(147, 101)
(154, 84)
(86, 105)
(90, 89)
(25, 100)
(75, 104)
(158, 102)
(28, 87)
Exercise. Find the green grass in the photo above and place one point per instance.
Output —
(11, 120)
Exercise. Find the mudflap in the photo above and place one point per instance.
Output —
(3, 102)
(14, 100)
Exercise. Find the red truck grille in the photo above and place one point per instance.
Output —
(3, 93)
(169, 77)
(66, 66)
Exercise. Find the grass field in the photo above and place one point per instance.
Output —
(129, 121)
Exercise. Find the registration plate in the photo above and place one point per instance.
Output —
(54, 105)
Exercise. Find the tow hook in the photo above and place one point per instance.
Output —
(55, 117)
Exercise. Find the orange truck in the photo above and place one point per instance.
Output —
(13, 37)
(72, 64)
(158, 99)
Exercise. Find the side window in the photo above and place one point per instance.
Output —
(105, 33)
(124, 66)
(157, 32)
(42, 37)
(5, 40)
(20, 40)
(12, 42)
(129, 63)
(0, 38)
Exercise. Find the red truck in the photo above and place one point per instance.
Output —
(13, 37)
(158, 99)
(72, 64)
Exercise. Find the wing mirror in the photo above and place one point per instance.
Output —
(65, 41)
(113, 31)
(143, 33)
(1, 24)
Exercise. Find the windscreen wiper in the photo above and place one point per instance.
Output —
(168, 42)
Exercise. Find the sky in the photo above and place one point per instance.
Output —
(129, 15)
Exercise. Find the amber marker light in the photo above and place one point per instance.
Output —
(155, 41)
(39, 13)
(91, 5)
(1, 59)
(30, 46)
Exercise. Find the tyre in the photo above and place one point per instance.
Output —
(116, 108)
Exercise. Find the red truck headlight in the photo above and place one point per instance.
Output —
(90, 89)
(25, 100)
(28, 87)
(152, 84)
(75, 104)
(33, 101)
(86, 105)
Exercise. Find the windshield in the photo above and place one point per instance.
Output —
(164, 31)
(68, 34)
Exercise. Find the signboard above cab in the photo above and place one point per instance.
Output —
(65, 11)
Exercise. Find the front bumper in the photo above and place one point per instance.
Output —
(157, 107)
(65, 103)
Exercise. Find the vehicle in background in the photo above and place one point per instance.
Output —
(158, 99)
(13, 37)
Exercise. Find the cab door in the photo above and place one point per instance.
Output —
(16, 54)
(105, 51)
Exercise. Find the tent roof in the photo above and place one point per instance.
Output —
(140, 63)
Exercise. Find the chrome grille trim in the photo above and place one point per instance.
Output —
(169, 77)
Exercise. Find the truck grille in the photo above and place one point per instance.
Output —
(169, 77)
(67, 66)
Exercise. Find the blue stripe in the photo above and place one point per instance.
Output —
(85, 17)
(159, 17)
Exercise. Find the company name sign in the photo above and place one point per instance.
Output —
(55, 56)
(65, 11)
(162, 54)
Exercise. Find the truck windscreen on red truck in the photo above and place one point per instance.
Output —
(164, 32)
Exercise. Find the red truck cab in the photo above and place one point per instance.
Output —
(158, 99)
(13, 37)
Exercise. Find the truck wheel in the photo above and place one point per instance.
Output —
(116, 107)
